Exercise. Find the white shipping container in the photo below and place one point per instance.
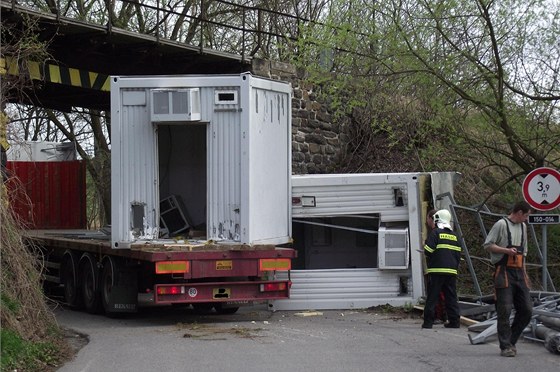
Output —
(356, 193)
(360, 238)
(42, 151)
(212, 151)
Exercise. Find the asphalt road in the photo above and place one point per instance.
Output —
(255, 339)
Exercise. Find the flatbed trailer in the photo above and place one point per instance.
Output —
(186, 161)
(202, 273)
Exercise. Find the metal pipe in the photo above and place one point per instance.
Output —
(463, 245)
(337, 226)
(551, 338)
(544, 259)
(466, 251)
(550, 321)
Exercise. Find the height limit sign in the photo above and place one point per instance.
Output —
(541, 189)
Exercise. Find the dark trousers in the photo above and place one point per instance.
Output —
(436, 284)
(515, 296)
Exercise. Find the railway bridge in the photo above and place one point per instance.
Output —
(87, 41)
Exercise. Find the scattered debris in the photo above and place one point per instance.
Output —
(309, 313)
(544, 326)
(210, 332)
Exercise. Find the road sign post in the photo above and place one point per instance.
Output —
(544, 220)
(541, 189)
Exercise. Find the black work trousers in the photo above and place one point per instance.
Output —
(515, 296)
(446, 283)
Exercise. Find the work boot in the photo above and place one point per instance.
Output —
(427, 325)
(452, 325)
(508, 352)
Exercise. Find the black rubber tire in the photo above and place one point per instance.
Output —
(107, 280)
(72, 293)
(90, 284)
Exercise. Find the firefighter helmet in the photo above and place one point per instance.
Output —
(442, 216)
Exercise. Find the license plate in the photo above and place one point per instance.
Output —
(219, 293)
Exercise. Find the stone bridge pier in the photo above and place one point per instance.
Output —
(317, 139)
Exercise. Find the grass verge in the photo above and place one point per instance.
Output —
(22, 355)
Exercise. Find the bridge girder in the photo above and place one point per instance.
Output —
(109, 51)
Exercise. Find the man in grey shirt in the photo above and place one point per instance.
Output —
(507, 244)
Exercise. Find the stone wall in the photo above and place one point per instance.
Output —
(317, 141)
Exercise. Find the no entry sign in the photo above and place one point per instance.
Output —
(541, 188)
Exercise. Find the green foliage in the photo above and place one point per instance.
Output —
(553, 257)
(19, 354)
(461, 86)
(28, 47)
(465, 86)
(30, 340)
(8, 304)
(408, 307)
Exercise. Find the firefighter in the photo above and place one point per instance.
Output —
(507, 244)
(440, 315)
(443, 255)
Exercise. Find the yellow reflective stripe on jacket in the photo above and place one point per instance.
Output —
(448, 236)
(440, 270)
(427, 248)
(449, 246)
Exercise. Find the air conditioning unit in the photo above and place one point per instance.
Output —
(393, 248)
(175, 105)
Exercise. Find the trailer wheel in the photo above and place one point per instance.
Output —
(107, 283)
(225, 310)
(89, 284)
(72, 295)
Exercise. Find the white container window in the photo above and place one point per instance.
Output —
(174, 105)
(225, 97)
(393, 248)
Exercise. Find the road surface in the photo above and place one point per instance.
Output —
(257, 340)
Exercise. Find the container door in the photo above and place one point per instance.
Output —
(182, 177)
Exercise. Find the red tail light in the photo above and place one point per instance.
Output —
(270, 287)
(171, 290)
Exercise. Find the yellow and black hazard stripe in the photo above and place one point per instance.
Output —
(56, 74)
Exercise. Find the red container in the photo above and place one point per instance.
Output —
(48, 195)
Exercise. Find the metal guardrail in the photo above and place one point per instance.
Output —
(479, 212)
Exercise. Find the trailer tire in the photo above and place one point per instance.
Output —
(90, 284)
(70, 280)
(107, 283)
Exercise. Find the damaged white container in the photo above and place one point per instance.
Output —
(360, 238)
(209, 153)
